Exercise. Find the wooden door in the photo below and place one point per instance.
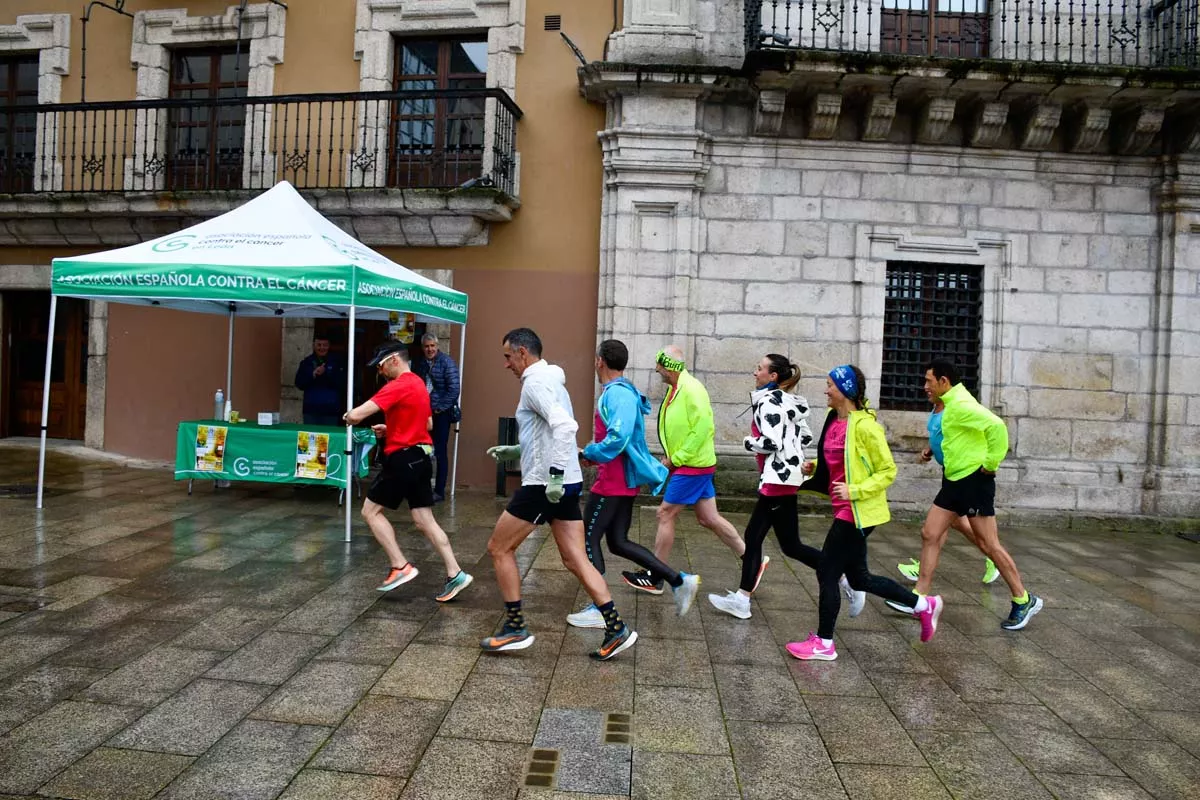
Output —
(26, 319)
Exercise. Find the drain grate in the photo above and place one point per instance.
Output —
(18, 491)
(617, 728)
(543, 764)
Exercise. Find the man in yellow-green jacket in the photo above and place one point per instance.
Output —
(686, 432)
(974, 443)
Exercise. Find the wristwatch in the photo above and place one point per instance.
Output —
(557, 471)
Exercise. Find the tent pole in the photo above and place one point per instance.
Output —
(229, 359)
(462, 361)
(348, 455)
(46, 399)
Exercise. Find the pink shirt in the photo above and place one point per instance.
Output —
(834, 453)
(610, 477)
(770, 489)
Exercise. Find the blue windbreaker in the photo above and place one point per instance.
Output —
(623, 410)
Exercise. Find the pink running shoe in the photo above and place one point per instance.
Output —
(929, 617)
(811, 649)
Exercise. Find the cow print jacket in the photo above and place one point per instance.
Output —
(782, 422)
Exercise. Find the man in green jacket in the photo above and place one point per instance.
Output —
(686, 432)
(974, 443)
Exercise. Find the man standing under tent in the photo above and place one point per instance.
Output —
(551, 482)
(441, 379)
(407, 469)
(322, 377)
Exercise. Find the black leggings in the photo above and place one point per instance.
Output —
(610, 518)
(778, 513)
(845, 553)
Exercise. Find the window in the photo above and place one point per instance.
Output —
(931, 310)
(18, 131)
(437, 141)
(206, 140)
(953, 28)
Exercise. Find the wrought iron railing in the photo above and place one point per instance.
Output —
(1138, 33)
(440, 139)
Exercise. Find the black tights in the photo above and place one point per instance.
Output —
(778, 513)
(610, 518)
(845, 553)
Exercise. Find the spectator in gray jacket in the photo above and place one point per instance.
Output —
(441, 379)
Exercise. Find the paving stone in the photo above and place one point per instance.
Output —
(1091, 787)
(1042, 741)
(503, 708)
(659, 775)
(321, 693)
(119, 644)
(227, 629)
(22, 650)
(270, 658)
(454, 626)
(111, 774)
(925, 701)
(781, 760)
(48, 683)
(862, 730)
(842, 677)
(410, 675)
(586, 763)
(874, 782)
(977, 765)
(667, 662)
(465, 769)
(320, 784)
(680, 720)
(762, 694)
(382, 736)
(1088, 710)
(1164, 769)
(371, 641)
(580, 682)
(191, 721)
(152, 678)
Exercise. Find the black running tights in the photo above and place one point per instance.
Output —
(778, 513)
(845, 553)
(610, 518)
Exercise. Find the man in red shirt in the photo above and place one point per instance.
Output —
(407, 468)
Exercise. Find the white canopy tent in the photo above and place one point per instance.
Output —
(274, 256)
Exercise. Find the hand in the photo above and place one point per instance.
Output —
(585, 461)
(666, 462)
(554, 488)
(841, 491)
(987, 471)
(926, 455)
(319, 371)
(809, 467)
(505, 452)
(379, 430)
(346, 419)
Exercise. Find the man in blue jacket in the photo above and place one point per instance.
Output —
(322, 378)
(625, 464)
(441, 379)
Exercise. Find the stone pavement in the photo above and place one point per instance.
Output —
(230, 645)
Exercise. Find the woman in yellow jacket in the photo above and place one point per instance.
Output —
(854, 467)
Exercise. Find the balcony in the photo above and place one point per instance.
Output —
(420, 168)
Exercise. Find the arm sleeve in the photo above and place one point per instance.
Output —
(620, 430)
(769, 436)
(452, 384)
(874, 442)
(701, 429)
(996, 434)
(562, 426)
(304, 376)
(808, 442)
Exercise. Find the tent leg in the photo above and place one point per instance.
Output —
(348, 455)
(229, 360)
(462, 360)
(46, 400)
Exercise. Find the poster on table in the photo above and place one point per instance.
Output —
(312, 454)
(210, 448)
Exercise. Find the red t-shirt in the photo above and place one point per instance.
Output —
(405, 404)
(835, 456)
(610, 477)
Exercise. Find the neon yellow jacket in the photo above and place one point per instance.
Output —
(972, 436)
(870, 469)
(685, 425)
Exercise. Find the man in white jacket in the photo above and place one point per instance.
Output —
(551, 483)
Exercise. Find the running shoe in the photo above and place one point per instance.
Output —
(903, 609)
(507, 639)
(929, 617)
(397, 576)
(990, 573)
(589, 617)
(856, 600)
(812, 649)
(735, 604)
(615, 643)
(685, 593)
(643, 582)
(911, 570)
(761, 569)
(453, 586)
(1021, 612)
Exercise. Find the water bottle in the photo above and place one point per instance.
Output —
(219, 406)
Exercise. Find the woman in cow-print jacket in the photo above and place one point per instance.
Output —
(779, 433)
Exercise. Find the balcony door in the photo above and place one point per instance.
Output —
(207, 141)
(950, 28)
(18, 130)
(26, 321)
(437, 141)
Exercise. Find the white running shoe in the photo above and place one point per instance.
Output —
(589, 617)
(733, 603)
(856, 599)
(686, 593)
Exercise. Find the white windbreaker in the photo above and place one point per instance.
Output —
(783, 433)
(546, 426)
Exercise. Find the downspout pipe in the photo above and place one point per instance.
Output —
(119, 7)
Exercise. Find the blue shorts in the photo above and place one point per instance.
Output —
(686, 490)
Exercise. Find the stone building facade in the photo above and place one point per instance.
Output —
(756, 201)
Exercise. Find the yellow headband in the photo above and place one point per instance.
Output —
(665, 361)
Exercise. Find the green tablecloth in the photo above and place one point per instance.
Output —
(243, 451)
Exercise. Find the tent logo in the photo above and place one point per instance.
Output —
(241, 467)
(174, 243)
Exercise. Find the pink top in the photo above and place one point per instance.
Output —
(770, 489)
(610, 477)
(834, 453)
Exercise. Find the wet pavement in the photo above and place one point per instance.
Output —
(230, 645)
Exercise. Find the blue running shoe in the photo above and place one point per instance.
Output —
(1021, 612)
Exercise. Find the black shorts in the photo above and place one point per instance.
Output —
(530, 504)
(972, 496)
(407, 475)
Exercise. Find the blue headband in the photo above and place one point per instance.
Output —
(843, 378)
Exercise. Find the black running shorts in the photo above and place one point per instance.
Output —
(406, 476)
(530, 504)
(972, 496)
